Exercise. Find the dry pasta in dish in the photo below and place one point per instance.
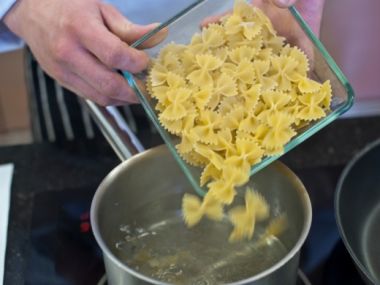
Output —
(235, 94)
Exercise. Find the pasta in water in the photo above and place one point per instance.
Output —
(235, 94)
(244, 218)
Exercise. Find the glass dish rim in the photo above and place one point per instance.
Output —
(301, 137)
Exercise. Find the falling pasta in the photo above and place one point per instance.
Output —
(235, 94)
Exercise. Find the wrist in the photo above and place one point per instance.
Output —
(11, 20)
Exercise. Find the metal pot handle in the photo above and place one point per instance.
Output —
(115, 129)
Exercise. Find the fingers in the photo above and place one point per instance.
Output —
(128, 31)
(111, 50)
(102, 79)
(156, 39)
(212, 19)
(83, 89)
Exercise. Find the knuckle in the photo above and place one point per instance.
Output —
(110, 86)
(70, 23)
(61, 50)
(114, 56)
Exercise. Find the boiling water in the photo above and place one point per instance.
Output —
(167, 251)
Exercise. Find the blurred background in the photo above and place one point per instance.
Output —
(14, 112)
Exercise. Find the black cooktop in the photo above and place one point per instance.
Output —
(49, 235)
(63, 251)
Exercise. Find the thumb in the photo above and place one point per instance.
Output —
(284, 3)
(128, 31)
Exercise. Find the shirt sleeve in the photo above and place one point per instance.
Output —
(8, 40)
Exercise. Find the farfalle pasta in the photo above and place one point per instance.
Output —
(235, 94)
(243, 218)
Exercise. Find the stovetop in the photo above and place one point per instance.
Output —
(63, 251)
(49, 235)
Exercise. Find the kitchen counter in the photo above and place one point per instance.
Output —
(41, 168)
(336, 144)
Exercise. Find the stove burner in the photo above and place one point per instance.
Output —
(63, 250)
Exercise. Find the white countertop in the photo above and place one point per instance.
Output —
(6, 173)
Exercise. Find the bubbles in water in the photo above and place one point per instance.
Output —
(167, 251)
(143, 235)
(140, 230)
(119, 245)
(125, 229)
(129, 238)
(174, 269)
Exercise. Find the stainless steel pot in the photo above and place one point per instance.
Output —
(357, 209)
(136, 220)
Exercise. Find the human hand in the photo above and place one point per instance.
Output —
(284, 22)
(80, 43)
(286, 26)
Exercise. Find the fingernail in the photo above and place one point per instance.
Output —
(284, 3)
(156, 24)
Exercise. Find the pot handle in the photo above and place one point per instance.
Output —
(115, 129)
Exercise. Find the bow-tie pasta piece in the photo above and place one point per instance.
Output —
(176, 108)
(307, 85)
(243, 52)
(194, 209)
(232, 119)
(244, 72)
(299, 56)
(225, 144)
(206, 63)
(226, 85)
(284, 71)
(248, 124)
(327, 93)
(280, 130)
(244, 10)
(158, 75)
(244, 218)
(202, 98)
(261, 68)
(173, 126)
(251, 97)
(206, 128)
(210, 172)
(213, 36)
(311, 106)
(223, 189)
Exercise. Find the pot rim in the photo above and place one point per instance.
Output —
(102, 189)
(337, 203)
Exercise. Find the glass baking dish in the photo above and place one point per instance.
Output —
(186, 23)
